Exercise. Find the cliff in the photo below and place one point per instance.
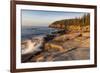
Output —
(76, 24)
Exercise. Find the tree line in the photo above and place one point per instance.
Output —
(82, 21)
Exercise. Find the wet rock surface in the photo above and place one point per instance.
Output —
(72, 46)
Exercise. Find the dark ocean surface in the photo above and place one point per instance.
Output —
(28, 32)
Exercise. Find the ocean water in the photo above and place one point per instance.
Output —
(33, 31)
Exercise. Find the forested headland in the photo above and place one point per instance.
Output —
(75, 24)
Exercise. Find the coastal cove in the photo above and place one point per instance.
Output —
(54, 43)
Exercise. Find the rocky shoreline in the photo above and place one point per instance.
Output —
(72, 42)
(70, 46)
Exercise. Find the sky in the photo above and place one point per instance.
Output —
(45, 18)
